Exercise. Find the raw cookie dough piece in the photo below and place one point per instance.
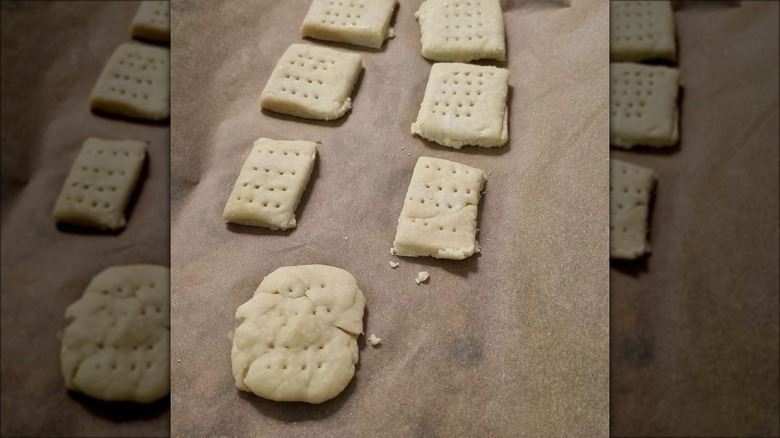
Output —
(152, 21)
(439, 216)
(641, 30)
(297, 336)
(630, 189)
(312, 82)
(643, 104)
(464, 104)
(100, 182)
(461, 30)
(271, 183)
(134, 83)
(117, 343)
(359, 22)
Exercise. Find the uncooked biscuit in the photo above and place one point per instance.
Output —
(117, 342)
(640, 30)
(464, 104)
(643, 105)
(439, 216)
(135, 83)
(312, 82)
(630, 190)
(297, 336)
(152, 21)
(271, 183)
(359, 22)
(461, 30)
(100, 182)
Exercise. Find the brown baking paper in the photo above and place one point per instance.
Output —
(695, 324)
(513, 341)
(52, 54)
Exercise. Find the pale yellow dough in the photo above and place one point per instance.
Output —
(135, 83)
(312, 82)
(439, 216)
(297, 336)
(461, 30)
(630, 191)
(464, 104)
(117, 342)
(640, 30)
(271, 183)
(358, 22)
(643, 105)
(152, 21)
(100, 183)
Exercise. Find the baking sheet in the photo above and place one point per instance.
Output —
(694, 326)
(511, 342)
(52, 54)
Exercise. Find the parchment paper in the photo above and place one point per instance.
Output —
(511, 342)
(695, 325)
(52, 54)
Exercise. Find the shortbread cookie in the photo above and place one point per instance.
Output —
(152, 21)
(116, 346)
(461, 30)
(643, 104)
(640, 30)
(312, 82)
(297, 336)
(439, 216)
(359, 22)
(271, 183)
(630, 190)
(464, 104)
(134, 83)
(100, 182)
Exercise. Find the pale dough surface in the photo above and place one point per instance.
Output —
(135, 83)
(297, 336)
(117, 342)
(464, 104)
(358, 22)
(152, 21)
(641, 30)
(100, 183)
(439, 215)
(312, 82)
(643, 105)
(271, 183)
(461, 30)
(630, 191)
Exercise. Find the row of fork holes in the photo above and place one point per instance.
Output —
(95, 204)
(350, 4)
(440, 188)
(285, 153)
(457, 38)
(132, 367)
(108, 172)
(129, 79)
(267, 170)
(270, 189)
(338, 14)
(453, 170)
(114, 153)
(123, 92)
(98, 188)
(437, 204)
(121, 289)
(251, 200)
(101, 346)
(441, 228)
(464, 14)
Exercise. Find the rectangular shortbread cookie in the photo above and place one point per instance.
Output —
(461, 30)
(152, 21)
(312, 82)
(271, 183)
(135, 83)
(359, 22)
(643, 105)
(640, 30)
(464, 104)
(630, 190)
(100, 182)
(439, 216)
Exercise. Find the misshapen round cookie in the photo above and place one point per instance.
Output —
(116, 346)
(297, 336)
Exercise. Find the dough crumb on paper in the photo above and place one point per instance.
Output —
(394, 264)
(374, 340)
(422, 277)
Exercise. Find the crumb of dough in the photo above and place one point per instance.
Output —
(178, 360)
(374, 340)
(392, 251)
(346, 238)
(391, 33)
(394, 264)
(422, 277)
